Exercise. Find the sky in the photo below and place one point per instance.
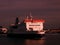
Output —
(49, 10)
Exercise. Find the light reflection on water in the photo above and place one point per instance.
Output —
(17, 41)
(35, 42)
(48, 39)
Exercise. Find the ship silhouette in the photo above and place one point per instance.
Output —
(28, 28)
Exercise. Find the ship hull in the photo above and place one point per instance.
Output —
(25, 36)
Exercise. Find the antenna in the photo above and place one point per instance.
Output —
(31, 16)
(27, 17)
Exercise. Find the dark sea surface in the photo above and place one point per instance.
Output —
(48, 39)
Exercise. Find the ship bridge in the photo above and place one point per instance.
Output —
(34, 24)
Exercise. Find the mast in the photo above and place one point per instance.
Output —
(16, 21)
(31, 16)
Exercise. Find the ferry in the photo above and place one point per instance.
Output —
(28, 28)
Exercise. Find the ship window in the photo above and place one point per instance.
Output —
(34, 25)
(31, 29)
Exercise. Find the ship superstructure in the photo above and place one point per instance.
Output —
(34, 24)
